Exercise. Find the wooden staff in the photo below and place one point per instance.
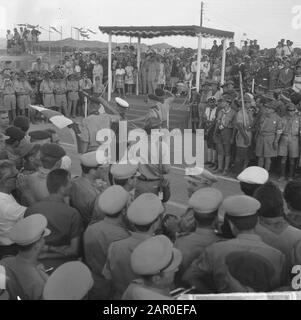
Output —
(242, 100)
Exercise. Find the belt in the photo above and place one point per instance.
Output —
(290, 135)
(59, 94)
(22, 94)
(143, 178)
(48, 92)
(8, 94)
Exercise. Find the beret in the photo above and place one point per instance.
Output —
(22, 123)
(53, 150)
(29, 230)
(145, 209)
(15, 133)
(113, 200)
(254, 175)
(40, 135)
(155, 255)
(241, 206)
(70, 281)
(205, 200)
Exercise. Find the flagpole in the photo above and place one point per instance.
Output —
(49, 48)
(61, 43)
(71, 32)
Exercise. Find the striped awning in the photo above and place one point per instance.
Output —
(163, 31)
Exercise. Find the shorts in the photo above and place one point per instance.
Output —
(288, 146)
(242, 153)
(48, 100)
(23, 101)
(223, 149)
(60, 100)
(264, 147)
(10, 102)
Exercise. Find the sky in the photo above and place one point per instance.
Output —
(268, 21)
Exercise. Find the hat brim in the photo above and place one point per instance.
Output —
(46, 233)
(176, 261)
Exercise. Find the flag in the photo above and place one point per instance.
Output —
(56, 30)
(30, 26)
(91, 31)
(79, 29)
(244, 34)
(84, 35)
(57, 118)
(22, 24)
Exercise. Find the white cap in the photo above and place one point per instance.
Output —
(66, 163)
(254, 175)
(121, 102)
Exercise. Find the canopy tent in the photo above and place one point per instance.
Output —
(162, 31)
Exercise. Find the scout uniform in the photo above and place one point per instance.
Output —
(9, 96)
(23, 90)
(289, 140)
(223, 135)
(143, 211)
(99, 236)
(46, 88)
(60, 89)
(83, 191)
(70, 281)
(204, 202)
(269, 127)
(26, 279)
(72, 89)
(215, 260)
(153, 256)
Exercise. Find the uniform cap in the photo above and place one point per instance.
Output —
(199, 174)
(15, 133)
(205, 200)
(145, 209)
(93, 159)
(123, 171)
(53, 150)
(70, 281)
(254, 175)
(113, 200)
(155, 255)
(29, 230)
(122, 103)
(241, 206)
(39, 135)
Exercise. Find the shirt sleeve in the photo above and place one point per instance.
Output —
(76, 225)
(15, 211)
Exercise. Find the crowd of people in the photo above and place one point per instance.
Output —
(22, 41)
(108, 233)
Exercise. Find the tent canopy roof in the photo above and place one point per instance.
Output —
(162, 31)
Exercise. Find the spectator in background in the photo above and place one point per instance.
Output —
(97, 71)
(129, 78)
(274, 75)
(286, 75)
(9, 39)
(119, 79)
(214, 50)
(245, 48)
(288, 49)
(297, 80)
(279, 50)
(98, 87)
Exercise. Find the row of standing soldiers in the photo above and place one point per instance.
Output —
(238, 136)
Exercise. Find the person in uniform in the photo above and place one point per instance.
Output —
(210, 272)
(292, 197)
(50, 156)
(72, 89)
(289, 141)
(269, 129)
(4, 121)
(30, 155)
(223, 134)
(85, 85)
(156, 262)
(251, 178)
(151, 177)
(209, 117)
(85, 189)
(27, 276)
(23, 91)
(23, 123)
(71, 281)
(243, 134)
(60, 90)
(272, 227)
(64, 221)
(204, 204)
(98, 237)
(86, 132)
(145, 216)
(9, 97)
(46, 89)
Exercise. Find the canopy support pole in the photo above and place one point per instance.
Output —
(223, 62)
(198, 73)
(138, 65)
(110, 67)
